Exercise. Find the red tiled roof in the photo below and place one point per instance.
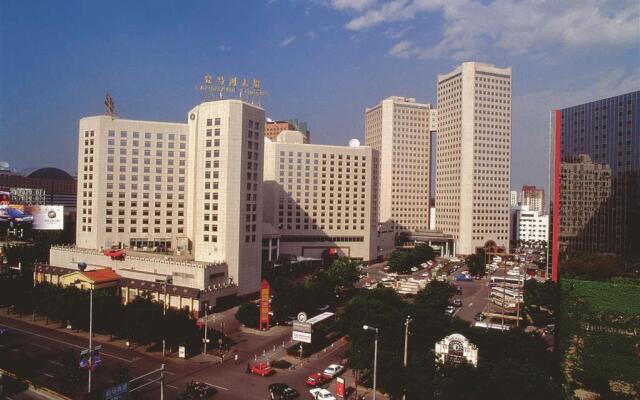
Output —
(102, 275)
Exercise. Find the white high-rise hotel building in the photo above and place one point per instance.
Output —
(189, 189)
(400, 129)
(473, 155)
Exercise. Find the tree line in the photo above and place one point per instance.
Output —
(511, 364)
(401, 261)
(328, 286)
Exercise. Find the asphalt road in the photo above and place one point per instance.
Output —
(474, 294)
(36, 352)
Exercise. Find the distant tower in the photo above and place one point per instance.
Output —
(109, 106)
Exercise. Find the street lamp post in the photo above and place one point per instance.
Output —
(375, 356)
(90, 352)
(206, 328)
(90, 336)
(164, 313)
(406, 348)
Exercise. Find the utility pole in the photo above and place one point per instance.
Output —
(206, 328)
(164, 313)
(33, 317)
(406, 348)
(406, 338)
(90, 335)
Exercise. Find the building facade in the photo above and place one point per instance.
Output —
(473, 155)
(400, 129)
(595, 178)
(533, 198)
(322, 197)
(183, 200)
(50, 186)
(530, 225)
(273, 128)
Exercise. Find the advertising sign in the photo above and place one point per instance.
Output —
(303, 337)
(265, 293)
(47, 218)
(340, 387)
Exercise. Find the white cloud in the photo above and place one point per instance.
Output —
(224, 48)
(401, 50)
(352, 4)
(287, 41)
(471, 27)
(311, 35)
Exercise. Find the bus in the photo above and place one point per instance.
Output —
(514, 280)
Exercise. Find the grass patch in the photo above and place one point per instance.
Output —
(622, 298)
(595, 358)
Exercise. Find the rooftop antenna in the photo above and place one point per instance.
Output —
(109, 106)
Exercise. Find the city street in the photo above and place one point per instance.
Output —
(37, 351)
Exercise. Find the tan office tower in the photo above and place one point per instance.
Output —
(225, 200)
(322, 198)
(400, 129)
(473, 155)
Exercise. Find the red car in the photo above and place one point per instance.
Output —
(317, 379)
(262, 369)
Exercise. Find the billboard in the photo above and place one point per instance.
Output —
(47, 218)
(265, 296)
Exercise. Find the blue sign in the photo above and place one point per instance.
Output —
(116, 392)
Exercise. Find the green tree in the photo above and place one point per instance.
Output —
(248, 314)
(400, 261)
(344, 272)
(422, 252)
(143, 320)
(477, 263)
(385, 310)
(72, 374)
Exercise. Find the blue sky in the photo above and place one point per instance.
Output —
(323, 61)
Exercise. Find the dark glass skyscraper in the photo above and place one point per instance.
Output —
(595, 178)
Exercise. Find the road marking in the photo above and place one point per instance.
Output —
(54, 362)
(63, 342)
(39, 345)
(216, 386)
(172, 387)
(49, 375)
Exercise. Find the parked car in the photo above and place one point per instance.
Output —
(317, 379)
(322, 394)
(414, 269)
(457, 303)
(450, 310)
(333, 370)
(204, 390)
(262, 369)
(479, 317)
(458, 290)
(282, 391)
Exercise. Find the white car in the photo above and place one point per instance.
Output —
(414, 269)
(322, 394)
(333, 370)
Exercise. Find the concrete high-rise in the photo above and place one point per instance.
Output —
(191, 192)
(322, 197)
(400, 129)
(533, 198)
(473, 155)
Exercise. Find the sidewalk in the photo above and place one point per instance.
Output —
(97, 337)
